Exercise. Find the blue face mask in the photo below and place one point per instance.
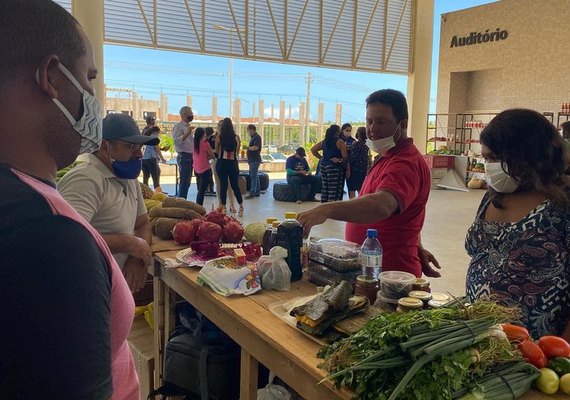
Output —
(127, 169)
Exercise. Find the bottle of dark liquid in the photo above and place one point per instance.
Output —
(267, 234)
(290, 237)
(273, 237)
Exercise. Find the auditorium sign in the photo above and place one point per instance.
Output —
(479, 37)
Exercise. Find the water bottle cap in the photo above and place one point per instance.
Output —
(290, 215)
(275, 224)
(372, 233)
(270, 220)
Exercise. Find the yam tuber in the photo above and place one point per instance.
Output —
(177, 202)
(163, 227)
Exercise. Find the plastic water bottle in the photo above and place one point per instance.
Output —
(371, 254)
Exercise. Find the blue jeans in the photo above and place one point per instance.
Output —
(184, 161)
(254, 188)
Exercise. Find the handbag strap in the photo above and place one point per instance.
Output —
(203, 369)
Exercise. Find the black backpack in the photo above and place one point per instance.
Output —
(200, 360)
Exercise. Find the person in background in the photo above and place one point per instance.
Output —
(394, 193)
(67, 308)
(346, 135)
(299, 173)
(151, 154)
(566, 136)
(359, 162)
(184, 143)
(230, 192)
(210, 191)
(519, 242)
(227, 146)
(105, 191)
(334, 165)
(203, 153)
(254, 161)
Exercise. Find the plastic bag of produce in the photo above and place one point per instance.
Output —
(273, 391)
(274, 271)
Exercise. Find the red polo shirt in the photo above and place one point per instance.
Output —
(404, 173)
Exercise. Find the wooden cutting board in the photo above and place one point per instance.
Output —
(159, 244)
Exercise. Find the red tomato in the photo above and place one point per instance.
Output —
(533, 354)
(554, 346)
(515, 333)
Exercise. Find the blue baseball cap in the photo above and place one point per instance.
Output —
(124, 128)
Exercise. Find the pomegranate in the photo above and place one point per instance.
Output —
(209, 232)
(233, 232)
(185, 231)
(216, 217)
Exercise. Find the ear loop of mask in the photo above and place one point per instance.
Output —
(63, 108)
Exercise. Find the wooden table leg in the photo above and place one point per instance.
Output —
(249, 369)
(159, 334)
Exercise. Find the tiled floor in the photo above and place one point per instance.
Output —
(449, 214)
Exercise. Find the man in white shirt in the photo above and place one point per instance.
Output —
(105, 191)
(184, 145)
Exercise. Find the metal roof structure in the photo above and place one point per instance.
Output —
(364, 35)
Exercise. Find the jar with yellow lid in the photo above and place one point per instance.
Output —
(421, 284)
(406, 304)
(425, 297)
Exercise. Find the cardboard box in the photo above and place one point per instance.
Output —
(439, 161)
(141, 342)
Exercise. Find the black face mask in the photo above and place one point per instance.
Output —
(190, 118)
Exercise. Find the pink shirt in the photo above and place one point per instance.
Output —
(125, 379)
(201, 162)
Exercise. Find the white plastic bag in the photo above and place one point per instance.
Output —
(273, 391)
(274, 271)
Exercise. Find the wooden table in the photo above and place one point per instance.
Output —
(263, 337)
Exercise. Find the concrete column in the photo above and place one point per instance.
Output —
(237, 115)
(281, 123)
(135, 104)
(419, 80)
(189, 101)
(302, 110)
(214, 109)
(91, 16)
(261, 110)
(338, 115)
(163, 107)
(320, 119)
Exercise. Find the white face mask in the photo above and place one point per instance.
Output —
(89, 126)
(499, 179)
(383, 145)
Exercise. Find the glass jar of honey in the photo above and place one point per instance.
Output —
(366, 286)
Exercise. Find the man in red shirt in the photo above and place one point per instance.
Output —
(394, 194)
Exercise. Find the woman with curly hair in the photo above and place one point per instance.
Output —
(519, 242)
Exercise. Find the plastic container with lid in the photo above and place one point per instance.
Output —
(290, 237)
(396, 284)
(406, 304)
(385, 303)
(421, 284)
(336, 254)
(425, 297)
(440, 297)
(329, 275)
(366, 286)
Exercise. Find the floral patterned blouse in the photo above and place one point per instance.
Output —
(526, 263)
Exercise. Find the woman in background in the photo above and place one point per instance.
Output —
(519, 242)
(151, 154)
(346, 135)
(230, 193)
(202, 155)
(333, 164)
(227, 147)
(359, 156)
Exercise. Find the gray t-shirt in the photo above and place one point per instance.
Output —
(110, 204)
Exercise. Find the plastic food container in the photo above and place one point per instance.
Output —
(406, 304)
(385, 303)
(440, 297)
(322, 273)
(396, 284)
(425, 297)
(336, 254)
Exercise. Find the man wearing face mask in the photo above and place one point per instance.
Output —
(68, 309)
(184, 145)
(105, 191)
(394, 193)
